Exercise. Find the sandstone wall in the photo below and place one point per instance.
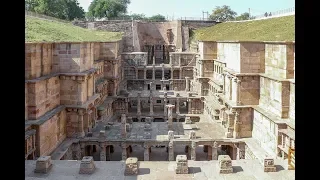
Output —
(208, 50)
(230, 54)
(292, 101)
(109, 50)
(246, 116)
(279, 60)
(25, 101)
(265, 132)
(100, 72)
(250, 90)
(38, 60)
(51, 133)
(43, 96)
(252, 57)
(72, 123)
(275, 96)
(74, 92)
(195, 24)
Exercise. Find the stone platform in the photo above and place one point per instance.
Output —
(157, 170)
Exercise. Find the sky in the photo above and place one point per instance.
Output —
(194, 8)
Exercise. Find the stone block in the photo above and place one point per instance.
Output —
(102, 133)
(132, 166)
(148, 120)
(188, 120)
(170, 135)
(182, 164)
(147, 127)
(43, 164)
(225, 164)
(147, 135)
(128, 127)
(268, 165)
(192, 135)
(87, 165)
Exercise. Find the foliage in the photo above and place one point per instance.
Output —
(107, 8)
(243, 16)
(222, 14)
(157, 17)
(62, 9)
(273, 29)
(39, 30)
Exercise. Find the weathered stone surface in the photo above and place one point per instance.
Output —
(87, 165)
(192, 135)
(131, 167)
(268, 165)
(43, 164)
(225, 164)
(182, 164)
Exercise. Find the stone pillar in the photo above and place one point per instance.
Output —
(146, 154)
(171, 151)
(209, 150)
(189, 105)
(238, 91)
(124, 151)
(162, 71)
(139, 104)
(103, 156)
(193, 150)
(171, 73)
(165, 104)
(153, 72)
(123, 126)
(154, 60)
(170, 59)
(180, 73)
(179, 58)
(187, 84)
(137, 73)
(151, 105)
(237, 124)
(170, 107)
(230, 87)
(80, 123)
(214, 151)
(177, 104)
(241, 151)
(145, 72)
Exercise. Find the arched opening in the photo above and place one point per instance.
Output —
(202, 153)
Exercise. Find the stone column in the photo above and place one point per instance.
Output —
(151, 105)
(230, 87)
(171, 151)
(137, 73)
(170, 107)
(103, 156)
(146, 154)
(171, 73)
(179, 58)
(123, 126)
(189, 105)
(170, 59)
(153, 72)
(237, 124)
(162, 71)
(178, 104)
(145, 72)
(165, 104)
(241, 151)
(187, 83)
(124, 151)
(214, 151)
(180, 73)
(238, 91)
(154, 60)
(80, 123)
(224, 84)
(193, 150)
(139, 104)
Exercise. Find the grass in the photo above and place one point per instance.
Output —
(274, 29)
(40, 30)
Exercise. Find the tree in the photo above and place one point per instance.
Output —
(223, 13)
(138, 16)
(157, 17)
(107, 8)
(62, 9)
(243, 16)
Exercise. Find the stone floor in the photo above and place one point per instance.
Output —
(199, 170)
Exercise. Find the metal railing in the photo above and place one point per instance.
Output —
(275, 13)
(41, 16)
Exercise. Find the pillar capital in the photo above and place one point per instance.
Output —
(81, 112)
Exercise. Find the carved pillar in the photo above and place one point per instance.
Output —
(179, 58)
(83, 150)
(177, 104)
(151, 105)
(123, 126)
(124, 151)
(193, 150)
(165, 113)
(80, 123)
(154, 60)
(171, 151)
(180, 73)
(187, 84)
(146, 154)
(171, 73)
(189, 106)
(238, 92)
(153, 72)
(103, 152)
(214, 151)
(230, 87)
(108, 153)
(139, 104)
(145, 72)
(241, 151)
(162, 71)
(237, 124)
(170, 59)
(170, 107)
(224, 84)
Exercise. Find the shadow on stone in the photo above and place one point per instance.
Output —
(279, 168)
(193, 170)
(237, 169)
(143, 171)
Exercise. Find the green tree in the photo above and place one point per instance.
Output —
(138, 16)
(243, 16)
(107, 8)
(157, 17)
(223, 13)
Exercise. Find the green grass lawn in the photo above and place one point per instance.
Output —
(40, 30)
(274, 29)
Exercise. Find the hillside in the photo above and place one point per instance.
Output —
(40, 30)
(273, 29)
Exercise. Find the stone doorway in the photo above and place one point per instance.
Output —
(202, 153)
(181, 150)
(158, 153)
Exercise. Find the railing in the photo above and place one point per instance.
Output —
(33, 14)
(276, 13)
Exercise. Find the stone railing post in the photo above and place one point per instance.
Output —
(146, 154)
